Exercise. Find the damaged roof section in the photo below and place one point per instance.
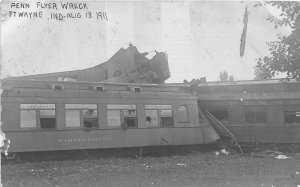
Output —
(125, 66)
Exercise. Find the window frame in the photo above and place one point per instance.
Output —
(187, 114)
(81, 107)
(256, 109)
(84, 117)
(158, 109)
(157, 119)
(121, 108)
(37, 107)
(284, 117)
(80, 120)
(36, 119)
(55, 117)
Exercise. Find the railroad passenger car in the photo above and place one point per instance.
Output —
(39, 115)
(255, 111)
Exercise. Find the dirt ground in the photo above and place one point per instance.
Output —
(164, 167)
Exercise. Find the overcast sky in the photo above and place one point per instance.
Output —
(201, 38)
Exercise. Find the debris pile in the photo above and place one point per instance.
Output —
(125, 66)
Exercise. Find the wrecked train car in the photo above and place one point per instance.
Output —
(126, 65)
(254, 111)
(51, 115)
(102, 107)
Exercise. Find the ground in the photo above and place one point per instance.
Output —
(175, 166)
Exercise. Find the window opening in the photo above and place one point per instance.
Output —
(291, 117)
(85, 114)
(47, 119)
(90, 118)
(122, 115)
(159, 115)
(151, 118)
(33, 114)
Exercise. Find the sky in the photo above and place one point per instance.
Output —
(201, 38)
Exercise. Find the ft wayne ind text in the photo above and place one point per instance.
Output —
(59, 16)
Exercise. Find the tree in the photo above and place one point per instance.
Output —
(285, 52)
(225, 77)
(262, 74)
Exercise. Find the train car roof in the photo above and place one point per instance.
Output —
(8, 84)
(249, 82)
(249, 90)
(239, 82)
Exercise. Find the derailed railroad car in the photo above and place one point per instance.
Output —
(255, 111)
(40, 115)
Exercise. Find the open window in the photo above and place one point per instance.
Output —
(47, 119)
(159, 115)
(38, 116)
(130, 117)
(166, 118)
(122, 116)
(85, 115)
(57, 87)
(292, 117)
(90, 118)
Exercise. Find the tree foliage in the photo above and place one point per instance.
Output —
(262, 74)
(285, 52)
(223, 76)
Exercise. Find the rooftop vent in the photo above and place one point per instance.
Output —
(98, 88)
(57, 87)
(136, 89)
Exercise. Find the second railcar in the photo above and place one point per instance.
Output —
(255, 111)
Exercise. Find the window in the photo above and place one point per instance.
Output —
(137, 89)
(291, 117)
(85, 114)
(37, 115)
(90, 118)
(183, 114)
(159, 115)
(114, 118)
(255, 115)
(151, 118)
(47, 119)
(72, 118)
(130, 117)
(99, 88)
(122, 115)
(57, 87)
(166, 118)
(28, 118)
